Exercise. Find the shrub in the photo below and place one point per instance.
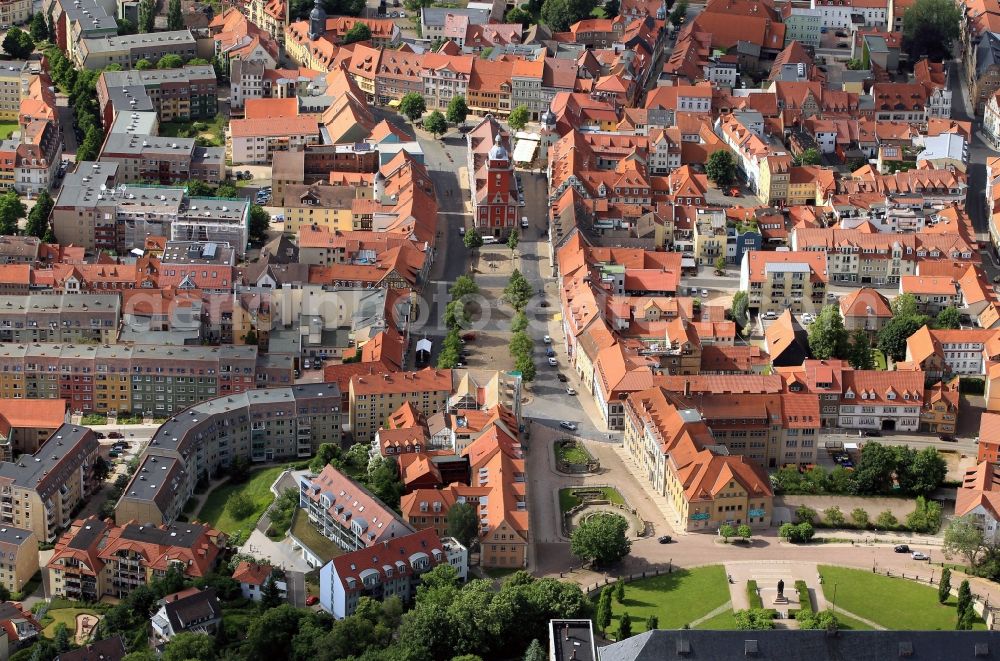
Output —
(832, 516)
(752, 596)
(240, 506)
(805, 603)
(805, 513)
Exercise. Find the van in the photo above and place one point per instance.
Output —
(524, 221)
(487, 240)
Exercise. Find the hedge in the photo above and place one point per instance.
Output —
(753, 596)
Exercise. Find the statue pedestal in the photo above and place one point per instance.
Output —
(780, 599)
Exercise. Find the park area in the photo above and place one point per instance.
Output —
(570, 498)
(676, 599)
(257, 489)
(893, 603)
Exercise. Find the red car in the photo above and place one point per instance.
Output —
(312, 600)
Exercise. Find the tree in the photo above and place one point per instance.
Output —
(11, 210)
(833, 516)
(726, 531)
(435, 123)
(143, 64)
(325, 454)
(678, 14)
(186, 645)
(413, 106)
(557, 15)
(518, 291)
(526, 366)
(886, 520)
(652, 623)
(38, 218)
(270, 596)
(259, 222)
(859, 354)
(198, 62)
(855, 65)
(827, 335)
(518, 322)
(874, 473)
(147, 16)
(744, 532)
(601, 539)
(358, 32)
(170, 61)
(518, 15)
(61, 640)
(513, 239)
(519, 116)
(90, 148)
(39, 28)
(720, 263)
(927, 471)
(18, 43)
(963, 537)
(805, 513)
(929, 28)
(457, 109)
(824, 620)
(741, 302)
(944, 586)
(604, 608)
(620, 591)
(125, 27)
(240, 505)
(892, 337)
(535, 652)
(804, 532)
(810, 156)
(473, 239)
(721, 168)
(624, 627)
(52, 28)
(948, 318)
(964, 606)
(754, 619)
(174, 19)
(463, 523)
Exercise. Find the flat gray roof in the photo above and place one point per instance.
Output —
(127, 42)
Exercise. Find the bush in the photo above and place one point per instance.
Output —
(971, 385)
(805, 513)
(886, 520)
(753, 596)
(240, 506)
(832, 516)
(797, 534)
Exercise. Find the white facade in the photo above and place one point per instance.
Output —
(991, 124)
(860, 416)
(837, 14)
(964, 357)
(256, 149)
(255, 592)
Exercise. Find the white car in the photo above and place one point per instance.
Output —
(570, 391)
(461, 231)
(568, 425)
(552, 362)
(547, 340)
(524, 221)
(917, 555)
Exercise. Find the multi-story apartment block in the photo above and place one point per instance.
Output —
(95, 209)
(979, 499)
(96, 559)
(941, 405)
(15, 77)
(347, 513)
(376, 396)
(784, 280)
(184, 94)
(41, 491)
(392, 569)
(839, 14)
(27, 423)
(881, 400)
(802, 24)
(75, 20)
(18, 557)
(943, 352)
(534, 83)
(61, 318)
(855, 256)
(143, 158)
(270, 424)
(256, 140)
(98, 52)
(676, 454)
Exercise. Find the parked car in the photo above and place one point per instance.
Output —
(704, 293)
(552, 362)
(873, 433)
(469, 337)
(114, 454)
(770, 314)
(562, 378)
(901, 548)
(99, 434)
(917, 555)
(312, 600)
(568, 425)
(306, 364)
(570, 391)
(547, 340)
(550, 353)
(115, 434)
(461, 231)
(948, 438)
(543, 304)
(664, 539)
(524, 221)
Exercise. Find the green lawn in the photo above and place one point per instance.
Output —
(849, 623)
(725, 621)
(258, 487)
(213, 129)
(6, 128)
(568, 501)
(879, 359)
(66, 616)
(676, 599)
(306, 533)
(895, 603)
(573, 454)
